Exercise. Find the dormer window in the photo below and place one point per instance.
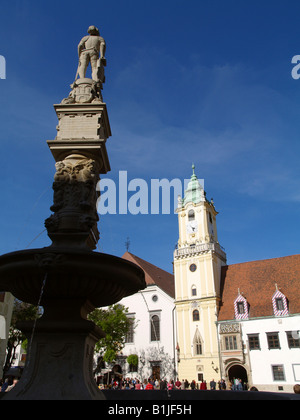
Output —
(280, 303)
(241, 307)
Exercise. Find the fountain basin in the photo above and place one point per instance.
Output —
(101, 279)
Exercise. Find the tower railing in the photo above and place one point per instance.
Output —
(191, 250)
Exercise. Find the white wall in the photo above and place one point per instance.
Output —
(261, 361)
(142, 306)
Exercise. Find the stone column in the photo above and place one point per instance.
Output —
(79, 150)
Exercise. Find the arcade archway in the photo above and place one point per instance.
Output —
(238, 371)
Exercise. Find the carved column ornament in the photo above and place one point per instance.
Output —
(75, 198)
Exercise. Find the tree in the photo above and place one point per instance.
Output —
(133, 362)
(115, 324)
(21, 312)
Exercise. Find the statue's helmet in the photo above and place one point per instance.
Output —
(93, 30)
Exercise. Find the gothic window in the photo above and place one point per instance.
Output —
(191, 215)
(155, 328)
(197, 344)
(196, 315)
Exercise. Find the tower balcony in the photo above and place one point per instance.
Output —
(192, 250)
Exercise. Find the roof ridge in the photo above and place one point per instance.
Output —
(264, 259)
(154, 274)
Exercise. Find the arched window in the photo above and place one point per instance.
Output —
(155, 328)
(191, 215)
(196, 315)
(197, 344)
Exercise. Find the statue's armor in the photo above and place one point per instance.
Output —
(89, 49)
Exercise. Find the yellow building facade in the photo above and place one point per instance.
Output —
(198, 259)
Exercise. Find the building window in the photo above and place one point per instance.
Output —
(293, 338)
(280, 303)
(278, 373)
(194, 291)
(129, 339)
(191, 215)
(254, 343)
(200, 377)
(273, 340)
(197, 343)
(155, 328)
(197, 346)
(196, 315)
(231, 342)
(240, 308)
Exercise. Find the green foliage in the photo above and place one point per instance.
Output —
(133, 360)
(21, 312)
(115, 324)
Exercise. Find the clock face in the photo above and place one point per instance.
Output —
(192, 227)
(193, 268)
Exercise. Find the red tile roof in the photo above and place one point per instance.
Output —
(153, 274)
(256, 280)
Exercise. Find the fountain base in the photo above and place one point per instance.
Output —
(60, 361)
(69, 285)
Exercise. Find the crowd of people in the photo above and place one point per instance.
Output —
(163, 384)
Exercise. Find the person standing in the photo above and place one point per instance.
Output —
(149, 385)
(178, 384)
(203, 386)
(212, 385)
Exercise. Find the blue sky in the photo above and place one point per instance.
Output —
(187, 81)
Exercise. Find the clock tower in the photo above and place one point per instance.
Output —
(198, 259)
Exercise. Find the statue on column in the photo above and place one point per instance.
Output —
(91, 50)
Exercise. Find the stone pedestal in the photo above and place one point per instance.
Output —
(79, 150)
(62, 351)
